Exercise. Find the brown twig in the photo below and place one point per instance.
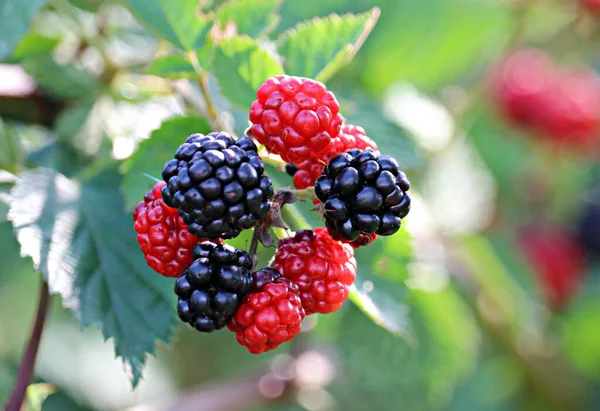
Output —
(27, 366)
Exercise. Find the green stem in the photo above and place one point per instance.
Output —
(280, 233)
(273, 161)
(293, 218)
(211, 110)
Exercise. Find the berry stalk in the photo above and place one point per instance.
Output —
(211, 110)
(27, 366)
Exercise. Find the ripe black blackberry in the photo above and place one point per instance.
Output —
(363, 193)
(213, 286)
(217, 185)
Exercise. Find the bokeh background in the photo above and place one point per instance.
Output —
(487, 300)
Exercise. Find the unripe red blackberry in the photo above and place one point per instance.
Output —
(294, 117)
(362, 194)
(269, 315)
(213, 286)
(321, 267)
(163, 236)
(218, 185)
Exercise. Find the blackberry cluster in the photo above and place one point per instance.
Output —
(363, 194)
(213, 286)
(217, 185)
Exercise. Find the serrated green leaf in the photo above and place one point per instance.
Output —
(33, 44)
(320, 47)
(251, 17)
(80, 238)
(177, 21)
(59, 401)
(62, 81)
(174, 67)
(153, 153)
(241, 65)
(15, 18)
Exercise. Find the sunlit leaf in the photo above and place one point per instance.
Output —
(32, 44)
(177, 21)
(241, 65)
(251, 17)
(320, 47)
(175, 66)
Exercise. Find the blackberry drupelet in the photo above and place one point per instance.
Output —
(213, 286)
(363, 193)
(217, 185)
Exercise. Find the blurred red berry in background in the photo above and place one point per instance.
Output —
(592, 5)
(558, 104)
(556, 259)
